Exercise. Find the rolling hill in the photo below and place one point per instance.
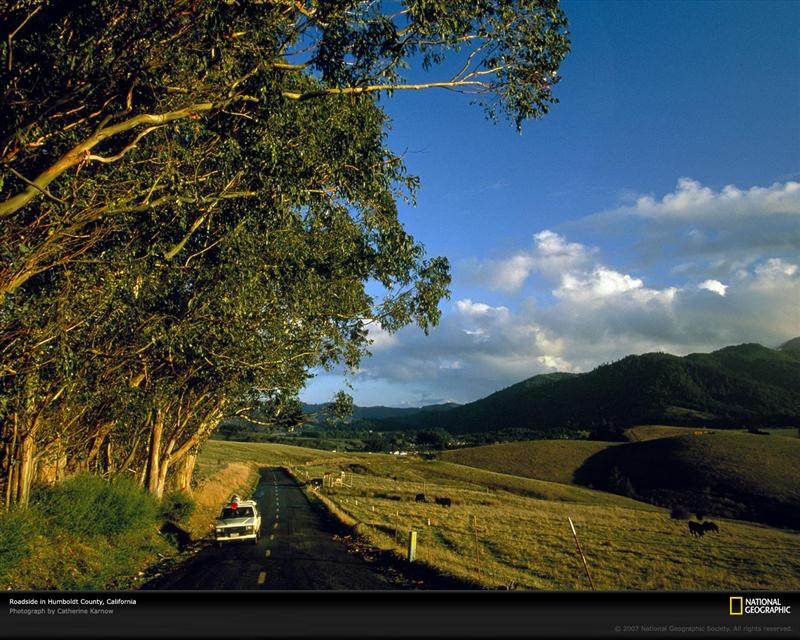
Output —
(741, 385)
(736, 475)
(550, 460)
(720, 473)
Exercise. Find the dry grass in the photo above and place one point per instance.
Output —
(656, 431)
(215, 489)
(509, 532)
(552, 460)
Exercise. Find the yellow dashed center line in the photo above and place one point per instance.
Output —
(268, 553)
(275, 526)
(262, 577)
(272, 536)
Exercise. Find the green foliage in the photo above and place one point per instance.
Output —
(87, 505)
(435, 439)
(84, 534)
(211, 192)
(18, 530)
(176, 507)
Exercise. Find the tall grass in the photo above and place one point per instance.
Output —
(17, 530)
(86, 533)
(90, 506)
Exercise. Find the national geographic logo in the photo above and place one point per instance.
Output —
(739, 606)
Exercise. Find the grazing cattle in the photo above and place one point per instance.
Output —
(710, 526)
(445, 502)
(316, 483)
(421, 497)
(696, 529)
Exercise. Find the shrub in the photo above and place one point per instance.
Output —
(679, 512)
(89, 505)
(176, 506)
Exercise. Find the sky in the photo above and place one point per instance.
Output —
(655, 208)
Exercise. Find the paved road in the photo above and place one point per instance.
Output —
(296, 551)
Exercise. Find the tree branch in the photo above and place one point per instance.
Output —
(79, 152)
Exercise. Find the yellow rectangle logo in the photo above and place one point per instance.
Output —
(737, 605)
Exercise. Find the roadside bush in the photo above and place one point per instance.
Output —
(88, 505)
(17, 531)
(176, 507)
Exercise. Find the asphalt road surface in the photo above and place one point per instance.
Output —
(296, 551)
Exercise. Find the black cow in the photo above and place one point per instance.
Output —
(696, 529)
(445, 502)
(710, 526)
(421, 497)
(316, 483)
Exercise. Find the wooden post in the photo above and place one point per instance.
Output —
(578, 544)
(412, 546)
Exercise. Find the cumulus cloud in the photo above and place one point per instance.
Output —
(715, 233)
(692, 201)
(728, 273)
(714, 286)
(598, 315)
(550, 256)
(380, 338)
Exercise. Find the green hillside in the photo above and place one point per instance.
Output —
(736, 475)
(551, 460)
(736, 386)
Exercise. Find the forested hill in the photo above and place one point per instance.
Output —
(380, 412)
(744, 385)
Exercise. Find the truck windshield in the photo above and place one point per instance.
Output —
(241, 512)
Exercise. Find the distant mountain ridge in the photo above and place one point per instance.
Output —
(380, 412)
(743, 385)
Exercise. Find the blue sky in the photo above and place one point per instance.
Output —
(657, 206)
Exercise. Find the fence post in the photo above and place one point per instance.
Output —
(578, 544)
(412, 546)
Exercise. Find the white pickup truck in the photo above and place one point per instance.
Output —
(239, 520)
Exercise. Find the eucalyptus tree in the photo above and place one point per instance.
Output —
(193, 194)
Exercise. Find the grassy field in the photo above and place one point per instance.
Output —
(646, 432)
(731, 473)
(553, 460)
(505, 531)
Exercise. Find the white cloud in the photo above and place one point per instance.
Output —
(380, 339)
(711, 232)
(692, 201)
(469, 308)
(598, 284)
(714, 268)
(775, 271)
(714, 286)
(550, 256)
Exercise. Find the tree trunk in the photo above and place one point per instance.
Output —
(97, 442)
(107, 461)
(183, 476)
(154, 466)
(10, 463)
(11, 483)
(26, 469)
